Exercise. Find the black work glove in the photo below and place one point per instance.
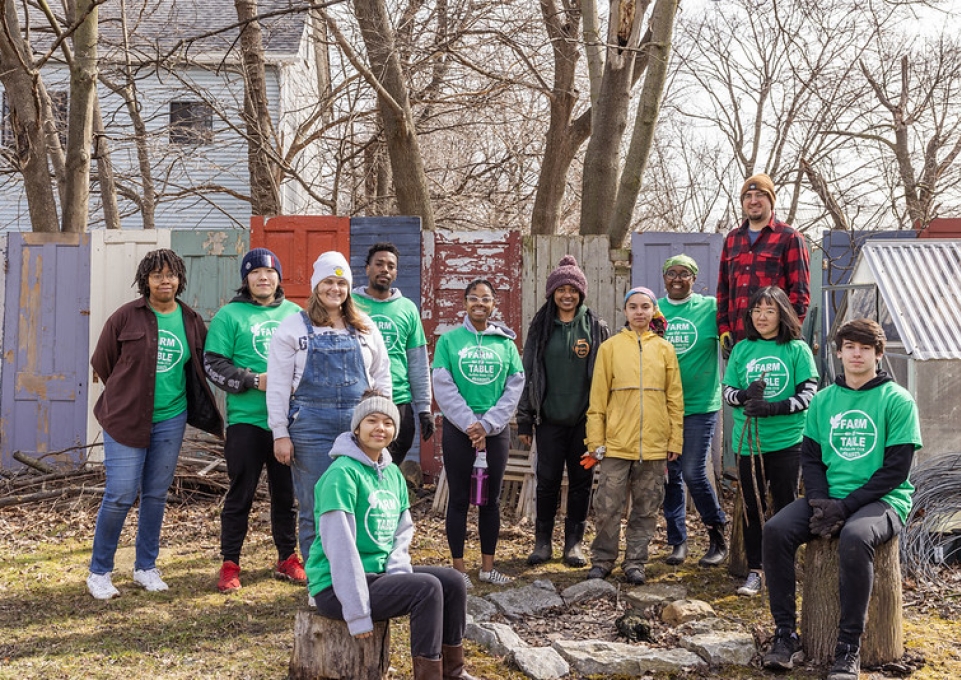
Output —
(759, 408)
(756, 389)
(426, 425)
(828, 517)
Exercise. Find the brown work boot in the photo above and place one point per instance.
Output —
(453, 656)
(427, 669)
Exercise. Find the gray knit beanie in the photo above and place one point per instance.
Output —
(375, 403)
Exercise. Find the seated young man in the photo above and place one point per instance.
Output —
(859, 442)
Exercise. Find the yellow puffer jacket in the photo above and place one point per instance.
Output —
(616, 415)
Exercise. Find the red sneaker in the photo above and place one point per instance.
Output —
(291, 569)
(229, 577)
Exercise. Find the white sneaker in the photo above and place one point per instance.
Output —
(101, 587)
(149, 579)
(494, 576)
(311, 602)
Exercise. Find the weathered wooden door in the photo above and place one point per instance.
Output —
(44, 383)
(297, 240)
(212, 259)
(651, 248)
(403, 232)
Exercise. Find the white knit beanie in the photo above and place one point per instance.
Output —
(375, 404)
(331, 263)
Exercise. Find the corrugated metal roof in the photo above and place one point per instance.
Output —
(919, 282)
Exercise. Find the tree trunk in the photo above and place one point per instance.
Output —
(883, 639)
(564, 136)
(264, 175)
(658, 53)
(24, 94)
(602, 158)
(324, 649)
(407, 164)
(105, 177)
(83, 91)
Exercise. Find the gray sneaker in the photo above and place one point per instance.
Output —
(784, 652)
(752, 586)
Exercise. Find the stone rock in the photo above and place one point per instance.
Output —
(701, 626)
(480, 609)
(499, 638)
(585, 591)
(544, 584)
(683, 611)
(596, 657)
(654, 594)
(722, 648)
(526, 601)
(541, 663)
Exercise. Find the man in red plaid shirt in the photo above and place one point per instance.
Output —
(763, 251)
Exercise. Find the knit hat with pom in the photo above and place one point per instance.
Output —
(567, 273)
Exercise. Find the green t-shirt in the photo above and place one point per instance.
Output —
(854, 427)
(399, 322)
(376, 503)
(479, 364)
(784, 367)
(241, 332)
(692, 329)
(173, 357)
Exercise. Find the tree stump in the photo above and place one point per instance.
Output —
(883, 639)
(325, 650)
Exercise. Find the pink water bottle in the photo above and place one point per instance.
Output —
(479, 479)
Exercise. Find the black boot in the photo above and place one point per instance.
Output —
(847, 662)
(573, 546)
(717, 552)
(678, 555)
(543, 532)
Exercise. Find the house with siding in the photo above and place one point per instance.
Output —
(180, 63)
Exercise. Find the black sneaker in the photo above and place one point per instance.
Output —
(847, 662)
(784, 652)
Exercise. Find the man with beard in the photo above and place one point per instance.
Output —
(399, 323)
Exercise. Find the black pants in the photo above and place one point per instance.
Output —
(458, 463)
(435, 598)
(869, 527)
(776, 471)
(405, 435)
(248, 449)
(559, 446)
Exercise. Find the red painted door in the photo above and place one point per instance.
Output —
(297, 240)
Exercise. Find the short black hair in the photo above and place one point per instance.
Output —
(479, 282)
(383, 246)
(789, 326)
(154, 261)
(863, 331)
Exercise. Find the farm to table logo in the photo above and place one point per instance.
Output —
(853, 434)
(170, 351)
(380, 520)
(261, 334)
(682, 334)
(387, 329)
(479, 365)
(774, 372)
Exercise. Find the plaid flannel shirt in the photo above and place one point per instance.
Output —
(778, 258)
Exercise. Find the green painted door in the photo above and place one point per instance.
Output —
(213, 266)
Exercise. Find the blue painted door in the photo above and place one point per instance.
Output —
(46, 325)
(651, 248)
(403, 232)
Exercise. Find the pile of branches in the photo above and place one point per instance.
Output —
(932, 538)
(201, 475)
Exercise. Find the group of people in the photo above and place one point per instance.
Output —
(325, 398)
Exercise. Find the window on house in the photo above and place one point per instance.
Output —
(58, 101)
(191, 123)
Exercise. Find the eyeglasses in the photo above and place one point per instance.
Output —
(753, 196)
(474, 299)
(766, 313)
(163, 276)
(670, 275)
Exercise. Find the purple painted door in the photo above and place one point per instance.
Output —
(44, 384)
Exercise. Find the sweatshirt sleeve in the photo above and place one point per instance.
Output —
(451, 403)
(338, 531)
(224, 374)
(892, 473)
(281, 362)
(600, 395)
(675, 402)
(398, 562)
(525, 408)
(418, 371)
(814, 472)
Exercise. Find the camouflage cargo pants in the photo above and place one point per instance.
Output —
(645, 482)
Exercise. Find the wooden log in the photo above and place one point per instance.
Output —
(325, 650)
(883, 639)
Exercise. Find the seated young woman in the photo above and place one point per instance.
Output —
(359, 569)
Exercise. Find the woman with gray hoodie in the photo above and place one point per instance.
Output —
(359, 570)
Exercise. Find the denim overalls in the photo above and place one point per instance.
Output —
(332, 384)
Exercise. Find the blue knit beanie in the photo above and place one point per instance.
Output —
(257, 258)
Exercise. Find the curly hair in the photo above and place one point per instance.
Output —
(155, 261)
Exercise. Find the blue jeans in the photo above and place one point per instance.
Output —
(691, 469)
(147, 472)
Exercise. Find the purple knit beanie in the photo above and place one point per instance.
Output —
(567, 273)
